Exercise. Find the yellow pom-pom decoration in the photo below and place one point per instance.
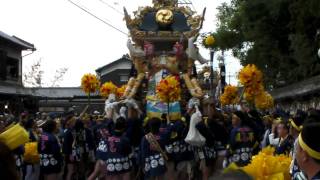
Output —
(250, 75)
(266, 166)
(31, 154)
(251, 78)
(168, 89)
(251, 91)
(264, 101)
(90, 83)
(108, 88)
(230, 95)
(269, 150)
(120, 90)
(209, 40)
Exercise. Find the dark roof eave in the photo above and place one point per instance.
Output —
(28, 46)
(112, 63)
(299, 89)
(17, 41)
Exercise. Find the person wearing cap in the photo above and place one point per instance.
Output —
(78, 148)
(273, 137)
(210, 129)
(113, 153)
(286, 141)
(32, 169)
(67, 147)
(102, 128)
(242, 140)
(308, 150)
(135, 133)
(49, 148)
(267, 121)
(295, 129)
(153, 158)
(177, 149)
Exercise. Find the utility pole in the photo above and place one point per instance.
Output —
(222, 72)
(212, 89)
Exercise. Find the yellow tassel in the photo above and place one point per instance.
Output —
(174, 135)
(145, 121)
(251, 136)
(231, 167)
(205, 121)
(238, 137)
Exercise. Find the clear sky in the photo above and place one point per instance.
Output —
(65, 36)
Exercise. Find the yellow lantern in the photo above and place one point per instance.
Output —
(31, 154)
(14, 136)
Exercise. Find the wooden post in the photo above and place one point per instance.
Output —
(89, 100)
(168, 119)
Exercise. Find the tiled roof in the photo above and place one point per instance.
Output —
(12, 89)
(302, 88)
(59, 92)
(44, 92)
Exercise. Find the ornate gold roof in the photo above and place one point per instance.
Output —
(162, 11)
(164, 3)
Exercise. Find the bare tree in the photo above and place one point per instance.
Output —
(58, 77)
(34, 77)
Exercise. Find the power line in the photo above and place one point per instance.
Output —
(105, 3)
(110, 25)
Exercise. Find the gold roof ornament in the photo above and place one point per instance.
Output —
(164, 16)
(164, 21)
(164, 3)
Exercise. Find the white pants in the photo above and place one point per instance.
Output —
(32, 172)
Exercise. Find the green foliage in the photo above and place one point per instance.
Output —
(279, 36)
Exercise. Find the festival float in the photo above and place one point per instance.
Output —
(163, 51)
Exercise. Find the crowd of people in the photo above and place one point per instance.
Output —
(127, 145)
